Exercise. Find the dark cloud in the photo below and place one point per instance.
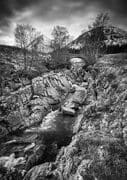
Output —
(116, 6)
(9, 7)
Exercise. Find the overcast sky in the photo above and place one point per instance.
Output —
(45, 14)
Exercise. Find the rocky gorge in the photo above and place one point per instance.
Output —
(67, 125)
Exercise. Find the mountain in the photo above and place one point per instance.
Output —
(111, 36)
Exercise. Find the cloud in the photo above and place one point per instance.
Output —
(9, 8)
(57, 8)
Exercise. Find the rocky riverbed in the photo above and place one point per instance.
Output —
(66, 127)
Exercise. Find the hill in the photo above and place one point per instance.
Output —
(114, 38)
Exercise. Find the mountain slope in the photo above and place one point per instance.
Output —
(112, 36)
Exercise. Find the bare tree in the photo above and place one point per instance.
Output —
(36, 47)
(60, 37)
(24, 36)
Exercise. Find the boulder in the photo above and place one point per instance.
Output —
(36, 157)
(11, 162)
(68, 111)
(15, 121)
(74, 101)
(43, 172)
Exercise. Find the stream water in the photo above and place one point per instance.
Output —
(60, 131)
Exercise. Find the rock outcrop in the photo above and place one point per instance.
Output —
(28, 105)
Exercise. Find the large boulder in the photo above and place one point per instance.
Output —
(43, 172)
(15, 121)
(74, 101)
(10, 162)
(51, 85)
